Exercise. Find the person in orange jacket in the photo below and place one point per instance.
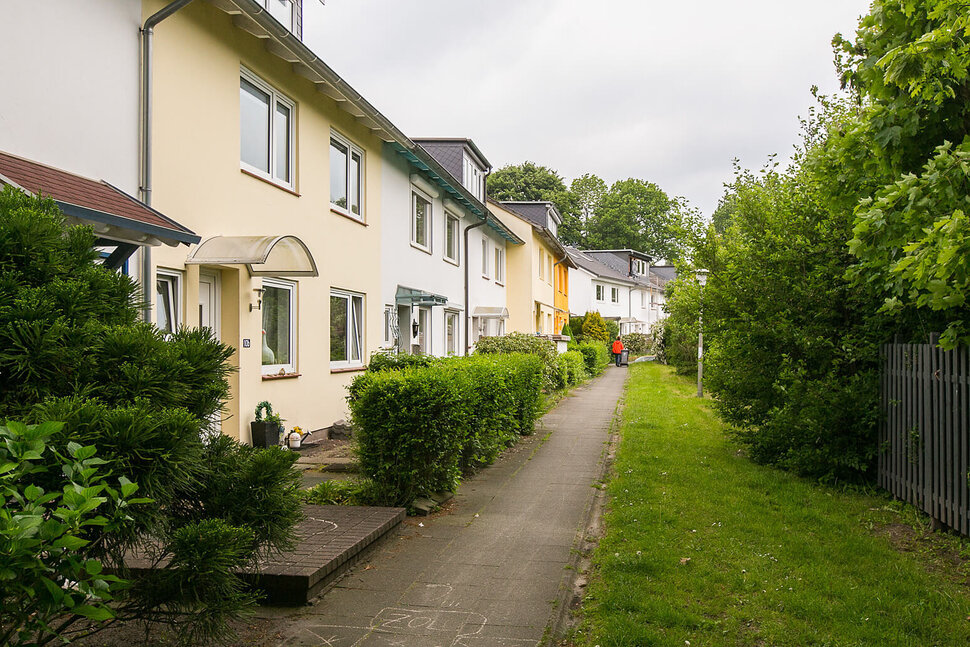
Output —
(617, 349)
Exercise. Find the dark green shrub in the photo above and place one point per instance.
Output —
(595, 356)
(637, 343)
(560, 379)
(576, 328)
(612, 329)
(515, 342)
(72, 350)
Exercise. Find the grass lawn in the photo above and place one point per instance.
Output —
(704, 548)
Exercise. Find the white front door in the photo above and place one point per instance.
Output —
(209, 301)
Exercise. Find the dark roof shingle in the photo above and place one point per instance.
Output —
(83, 192)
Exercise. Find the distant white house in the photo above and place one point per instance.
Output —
(443, 280)
(619, 284)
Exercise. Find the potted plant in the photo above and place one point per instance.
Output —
(267, 427)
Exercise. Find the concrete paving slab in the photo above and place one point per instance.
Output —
(489, 571)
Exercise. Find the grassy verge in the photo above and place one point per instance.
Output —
(703, 547)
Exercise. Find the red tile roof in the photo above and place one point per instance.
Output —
(83, 192)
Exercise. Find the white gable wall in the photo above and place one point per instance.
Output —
(70, 80)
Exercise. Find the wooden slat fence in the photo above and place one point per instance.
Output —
(924, 452)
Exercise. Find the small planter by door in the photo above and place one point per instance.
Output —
(265, 434)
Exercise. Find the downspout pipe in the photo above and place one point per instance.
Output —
(468, 306)
(145, 137)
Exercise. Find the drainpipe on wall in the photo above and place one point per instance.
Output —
(468, 306)
(145, 137)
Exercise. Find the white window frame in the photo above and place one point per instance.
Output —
(614, 295)
(452, 349)
(352, 149)
(429, 220)
(499, 265)
(450, 217)
(175, 279)
(485, 260)
(600, 291)
(472, 177)
(290, 367)
(292, 25)
(276, 97)
(354, 328)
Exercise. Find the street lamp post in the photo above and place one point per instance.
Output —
(702, 281)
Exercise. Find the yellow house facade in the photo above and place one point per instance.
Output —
(259, 148)
(537, 302)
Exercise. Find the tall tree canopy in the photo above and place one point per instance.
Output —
(865, 237)
(630, 214)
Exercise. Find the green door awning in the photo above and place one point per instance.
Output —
(411, 297)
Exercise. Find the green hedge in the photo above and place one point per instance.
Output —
(385, 361)
(419, 428)
(575, 365)
(596, 356)
(517, 342)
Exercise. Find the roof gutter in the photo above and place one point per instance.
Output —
(145, 128)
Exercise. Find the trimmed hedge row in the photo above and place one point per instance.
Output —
(596, 356)
(517, 342)
(418, 429)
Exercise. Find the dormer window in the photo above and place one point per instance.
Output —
(284, 11)
(472, 177)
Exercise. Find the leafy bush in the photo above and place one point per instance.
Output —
(575, 365)
(45, 575)
(409, 429)
(418, 429)
(576, 328)
(385, 361)
(339, 492)
(612, 329)
(596, 356)
(594, 328)
(637, 343)
(516, 342)
(72, 350)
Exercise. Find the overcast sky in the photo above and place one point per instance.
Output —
(669, 92)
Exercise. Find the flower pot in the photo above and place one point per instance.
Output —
(265, 434)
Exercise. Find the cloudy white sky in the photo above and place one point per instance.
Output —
(667, 91)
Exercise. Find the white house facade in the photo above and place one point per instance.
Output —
(619, 285)
(443, 275)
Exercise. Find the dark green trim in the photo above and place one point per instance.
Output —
(84, 213)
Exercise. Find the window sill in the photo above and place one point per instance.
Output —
(426, 250)
(452, 262)
(281, 376)
(348, 369)
(501, 283)
(270, 181)
(348, 216)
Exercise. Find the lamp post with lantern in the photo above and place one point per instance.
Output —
(701, 276)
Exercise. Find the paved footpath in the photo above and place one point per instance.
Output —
(489, 574)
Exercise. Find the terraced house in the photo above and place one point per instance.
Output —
(216, 114)
(443, 254)
(538, 298)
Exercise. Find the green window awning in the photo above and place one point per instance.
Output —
(411, 297)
